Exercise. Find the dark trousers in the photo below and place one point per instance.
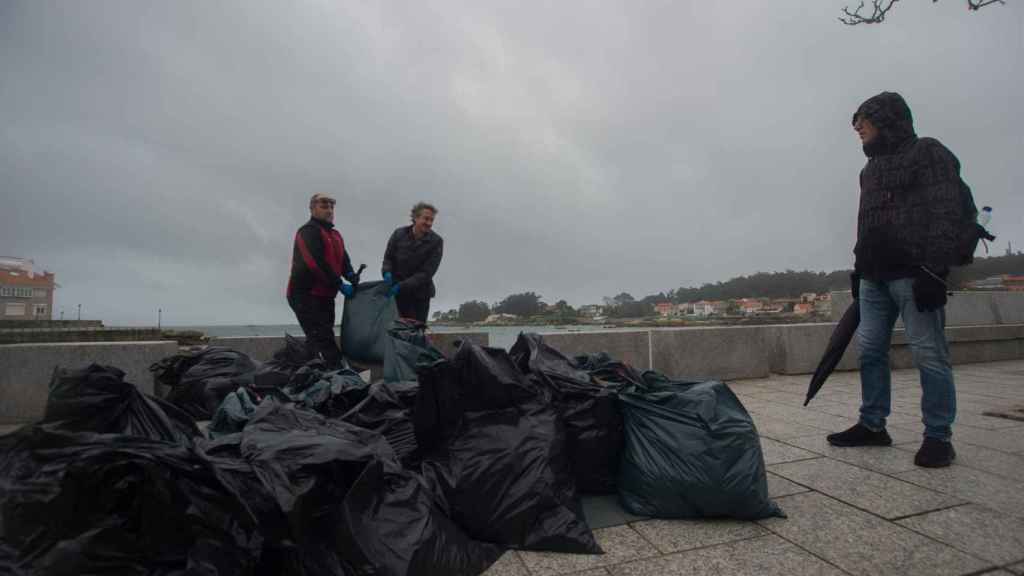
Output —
(316, 317)
(416, 307)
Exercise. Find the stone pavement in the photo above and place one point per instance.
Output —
(851, 510)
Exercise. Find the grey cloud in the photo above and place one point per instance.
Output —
(163, 152)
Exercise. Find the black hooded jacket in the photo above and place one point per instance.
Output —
(414, 261)
(914, 208)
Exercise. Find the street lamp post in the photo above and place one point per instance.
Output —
(159, 317)
(79, 312)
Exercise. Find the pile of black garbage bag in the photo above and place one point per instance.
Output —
(310, 471)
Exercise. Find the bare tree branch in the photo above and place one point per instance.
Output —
(978, 4)
(879, 9)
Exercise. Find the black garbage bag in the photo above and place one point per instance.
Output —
(213, 373)
(277, 372)
(438, 409)
(365, 323)
(504, 475)
(81, 503)
(609, 372)
(387, 410)
(97, 399)
(343, 504)
(691, 451)
(233, 413)
(331, 394)
(406, 347)
(588, 409)
(167, 372)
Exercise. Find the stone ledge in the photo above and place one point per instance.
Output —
(26, 369)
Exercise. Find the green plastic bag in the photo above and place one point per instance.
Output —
(691, 451)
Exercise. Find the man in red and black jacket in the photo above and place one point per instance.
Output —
(319, 262)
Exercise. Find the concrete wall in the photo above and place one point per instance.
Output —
(963, 308)
(262, 348)
(633, 348)
(799, 347)
(721, 353)
(726, 353)
(26, 369)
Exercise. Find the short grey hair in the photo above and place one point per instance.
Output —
(420, 207)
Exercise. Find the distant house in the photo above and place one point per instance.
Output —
(590, 310)
(750, 305)
(1000, 282)
(709, 307)
(684, 309)
(665, 309)
(24, 293)
(803, 308)
(493, 318)
(808, 297)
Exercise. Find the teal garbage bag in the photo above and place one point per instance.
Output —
(691, 451)
(365, 323)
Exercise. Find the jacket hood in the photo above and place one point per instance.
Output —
(889, 113)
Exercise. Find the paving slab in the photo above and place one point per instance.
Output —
(807, 417)
(1016, 568)
(779, 486)
(1008, 440)
(885, 459)
(986, 422)
(973, 485)
(780, 428)
(508, 565)
(877, 493)
(679, 535)
(862, 543)
(620, 543)
(1009, 466)
(603, 511)
(776, 452)
(765, 556)
(974, 529)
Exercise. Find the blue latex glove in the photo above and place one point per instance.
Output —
(388, 278)
(347, 289)
(393, 291)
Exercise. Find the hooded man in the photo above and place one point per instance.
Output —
(319, 262)
(915, 214)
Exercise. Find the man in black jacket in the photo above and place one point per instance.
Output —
(915, 213)
(319, 262)
(412, 258)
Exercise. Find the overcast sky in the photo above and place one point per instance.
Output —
(161, 154)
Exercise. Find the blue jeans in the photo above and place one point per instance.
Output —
(880, 304)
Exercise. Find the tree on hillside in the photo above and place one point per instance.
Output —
(524, 304)
(633, 309)
(474, 311)
(880, 8)
(563, 311)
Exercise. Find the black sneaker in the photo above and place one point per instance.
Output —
(860, 435)
(935, 453)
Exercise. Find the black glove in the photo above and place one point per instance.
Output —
(929, 289)
(855, 285)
